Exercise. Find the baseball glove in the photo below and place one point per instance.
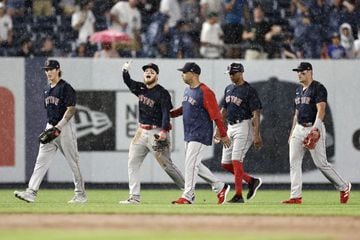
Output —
(160, 145)
(312, 138)
(49, 135)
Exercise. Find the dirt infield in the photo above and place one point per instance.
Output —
(334, 227)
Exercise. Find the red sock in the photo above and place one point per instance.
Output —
(228, 167)
(247, 178)
(238, 172)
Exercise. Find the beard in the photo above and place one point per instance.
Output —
(149, 81)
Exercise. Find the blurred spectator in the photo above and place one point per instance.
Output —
(126, 18)
(172, 9)
(82, 50)
(352, 14)
(288, 50)
(107, 51)
(347, 39)
(236, 14)
(16, 7)
(336, 16)
(190, 12)
(6, 33)
(357, 45)
(211, 6)
(212, 45)
(42, 7)
(67, 7)
(25, 49)
(334, 49)
(300, 22)
(154, 44)
(181, 45)
(47, 48)
(259, 34)
(147, 8)
(83, 21)
(317, 30)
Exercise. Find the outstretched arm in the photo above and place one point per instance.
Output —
(176, 112)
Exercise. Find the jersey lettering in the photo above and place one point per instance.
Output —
(302, 100)
(189, 99)
(147, 101)
(52, 100)
(233, 99)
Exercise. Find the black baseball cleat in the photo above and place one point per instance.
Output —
(253, 187)
(236, 199)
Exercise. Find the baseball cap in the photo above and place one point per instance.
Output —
(235, 67)
(190, 67)
(51, 64)
(152, 66)
(303, 66)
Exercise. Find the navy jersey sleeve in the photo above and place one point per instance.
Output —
(134, 86)
(166, 106)
(321, 94)
(223, 103)
(69, 96)
(254, 100)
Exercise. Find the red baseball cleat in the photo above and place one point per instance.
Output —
(223, 193)
(345, 195)
(293, 201)
(181, 201)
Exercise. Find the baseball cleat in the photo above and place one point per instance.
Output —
(345, 195)
(130, 201)
(25, 196)
(78, 198)
(253, 187)
(236, 199)
(181, 201)
(223, 193)
(293, 201)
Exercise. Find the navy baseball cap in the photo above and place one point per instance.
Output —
(152, 66)
(234, 68)
(190, 67)
(51, 64)
(303, 66)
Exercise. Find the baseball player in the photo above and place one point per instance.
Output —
(199, 109)
(59, 102)
(310, 104)
(154, 118)
(241, 110)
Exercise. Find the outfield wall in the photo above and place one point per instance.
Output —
(107, 117)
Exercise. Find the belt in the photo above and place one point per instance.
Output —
(234, 122)
(148, 127)
(308, 124)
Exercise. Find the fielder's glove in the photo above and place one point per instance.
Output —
(126, 66)
(312, 138)
(160, 145)
(49, 135)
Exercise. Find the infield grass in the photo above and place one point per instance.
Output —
(266, 202)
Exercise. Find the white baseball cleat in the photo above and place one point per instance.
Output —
(130, 201)
(78, 198)
(26, 196)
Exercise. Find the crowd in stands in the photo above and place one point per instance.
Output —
(247, 29)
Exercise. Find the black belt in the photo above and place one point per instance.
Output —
(308, 124)
(234, 122)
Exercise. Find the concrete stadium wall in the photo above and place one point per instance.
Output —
(107, 117)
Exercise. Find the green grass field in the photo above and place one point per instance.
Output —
(266, 202)
(157, 202)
